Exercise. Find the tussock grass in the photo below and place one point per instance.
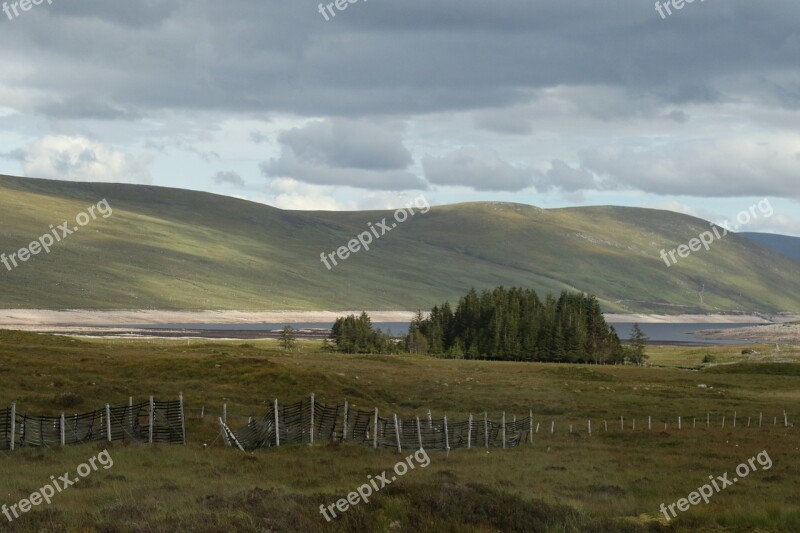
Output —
(612, 481)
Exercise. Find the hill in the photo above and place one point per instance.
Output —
(788, 246)
(177, 249)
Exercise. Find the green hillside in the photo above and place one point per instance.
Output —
(177, 249)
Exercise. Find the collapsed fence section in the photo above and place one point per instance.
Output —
(146, 422)
(309, 421)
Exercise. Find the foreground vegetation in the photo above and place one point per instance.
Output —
(612, 481)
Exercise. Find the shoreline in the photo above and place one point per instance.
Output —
(135, 323)
(12, 318)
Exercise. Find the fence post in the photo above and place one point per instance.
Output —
(152, 418)
(63, 431)
(605, 423)
(734, 419)
(530, 417)
(504, 429)
(446, 435)
(679, 422)
(621, 423)
(708, 420)
(183, 418)
(785, 419)
(760, 418)
(633, 426)
(277, 427)
(397, 434)
(430, 420)
(312, 418)
(486, 429)
(649, 423)
(723, 421)
(590, 428)
(552, 426)
(108, 423)
(225, 412)
(469, 433)
(375, 430)
(419, 434)
(346, 412)
(13, 425)
(130, 414)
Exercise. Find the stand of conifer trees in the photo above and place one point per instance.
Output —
(515, 325)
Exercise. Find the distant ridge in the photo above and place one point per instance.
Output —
(788, 246)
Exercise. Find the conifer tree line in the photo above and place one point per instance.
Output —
(516, 325)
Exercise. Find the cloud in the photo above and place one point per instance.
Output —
(229, 178)
(258, 137)
(563, 177)
(86, 107)
(767, 165)
(77, 158)
(481, 169)
(362, 154)
(288, 193)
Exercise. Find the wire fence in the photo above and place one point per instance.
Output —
(309, 421)
(147, 422)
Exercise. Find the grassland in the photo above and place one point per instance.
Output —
(184, 250)
(612, 481)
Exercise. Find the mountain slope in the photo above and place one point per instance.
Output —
(176, 249)
(788, 246)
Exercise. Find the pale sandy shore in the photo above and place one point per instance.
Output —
(779, 333)
(39, 319)
(700, 319)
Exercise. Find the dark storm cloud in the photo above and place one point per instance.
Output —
(397, 57)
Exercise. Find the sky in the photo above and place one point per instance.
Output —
(554, 103)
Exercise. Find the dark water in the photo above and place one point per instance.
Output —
(664, 333)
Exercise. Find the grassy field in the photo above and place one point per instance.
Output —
(176, 249)
(612, 481)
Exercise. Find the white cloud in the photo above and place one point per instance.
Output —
(77, 158)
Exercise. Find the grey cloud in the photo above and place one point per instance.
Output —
(725, 168)
(17, 154)
(350, 144)
(566, 178)
(229, 178)
(85, 107)
(483, 170)
(368, 155)
(400, 57)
